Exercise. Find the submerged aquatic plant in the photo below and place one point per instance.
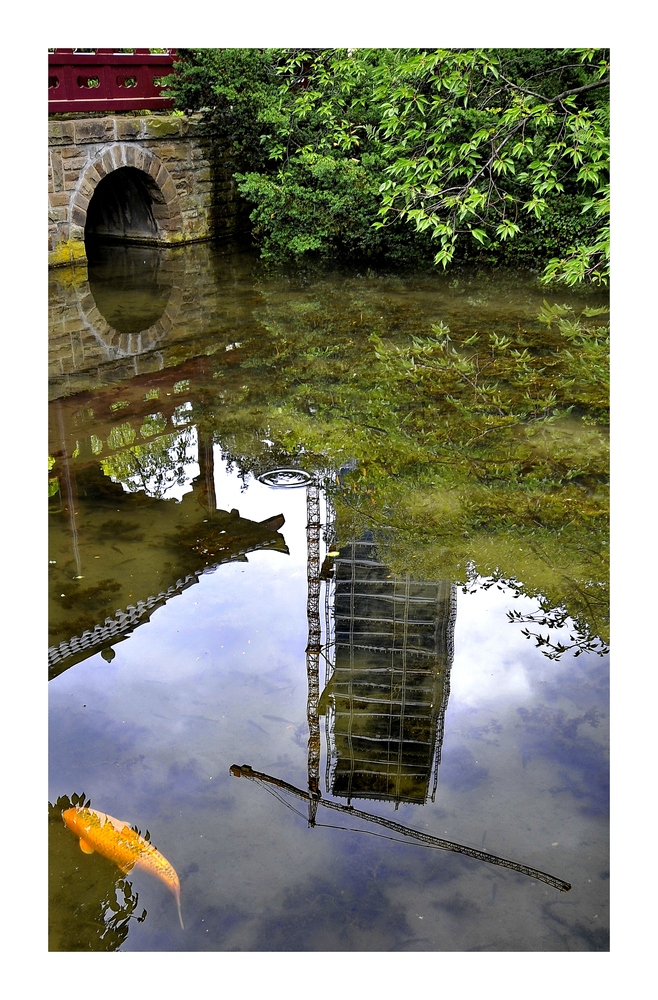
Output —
(474, 454)
(469, 453)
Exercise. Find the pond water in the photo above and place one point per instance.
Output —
(274, 644)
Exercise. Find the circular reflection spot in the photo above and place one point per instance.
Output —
(285, 478)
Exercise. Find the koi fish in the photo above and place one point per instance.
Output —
(115, 840)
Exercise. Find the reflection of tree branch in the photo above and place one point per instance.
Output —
(556, 619)
(245, 771)
(555, 650)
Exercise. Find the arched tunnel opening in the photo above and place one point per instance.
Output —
(121, 209)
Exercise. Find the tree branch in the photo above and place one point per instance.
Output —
(559, 97)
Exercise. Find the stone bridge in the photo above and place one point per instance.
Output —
(152, 179)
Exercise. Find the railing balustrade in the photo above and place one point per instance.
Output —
(108, 79)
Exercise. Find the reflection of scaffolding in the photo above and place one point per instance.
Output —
(392, 637)
(390, 682)
(313, 646)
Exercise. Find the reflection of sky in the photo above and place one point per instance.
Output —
(226, 644)
(558, 708)
(218, 677)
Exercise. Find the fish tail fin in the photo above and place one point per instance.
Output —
(180, 915)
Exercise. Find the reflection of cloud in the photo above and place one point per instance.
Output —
(88, 745)
(320, 920)
(458, 906)
(593, 938)
(494, 661)
(490, 656)
(186, 783)
(487, 731)
(460, 770)
(534, 695)
(582, 767)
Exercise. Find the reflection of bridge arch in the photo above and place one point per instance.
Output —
(107, 298)
(138, 174)
(118, 344)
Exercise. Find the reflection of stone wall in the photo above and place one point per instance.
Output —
(389, 688)
(87, 351)
(194, 196)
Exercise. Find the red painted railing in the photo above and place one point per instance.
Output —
(105, 80)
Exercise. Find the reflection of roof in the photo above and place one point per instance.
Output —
(390, 684)
(126, 621)
(112, 630)
(180, 543)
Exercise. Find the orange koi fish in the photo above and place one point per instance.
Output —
(115, 840)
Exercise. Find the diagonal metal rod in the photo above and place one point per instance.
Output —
(245, 771)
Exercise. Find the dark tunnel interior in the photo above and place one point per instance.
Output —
(121, 208)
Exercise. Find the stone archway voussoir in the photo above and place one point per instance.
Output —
(166, 206)
(169, 190)
(108, 161)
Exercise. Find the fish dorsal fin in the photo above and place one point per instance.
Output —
(85, 846)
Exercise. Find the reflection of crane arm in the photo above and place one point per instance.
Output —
(245, 771)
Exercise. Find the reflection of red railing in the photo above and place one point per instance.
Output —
(105, 80)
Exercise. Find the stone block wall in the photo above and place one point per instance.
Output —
(194, 196)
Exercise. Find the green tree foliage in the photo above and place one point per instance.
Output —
(154, 466)
(482, 141)
(480, 150)
(232, 87)
(322, 195)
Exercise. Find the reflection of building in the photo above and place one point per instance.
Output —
(388, 691)
(117, 556)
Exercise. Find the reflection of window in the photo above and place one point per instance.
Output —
(182, 414)
(154, 424)
(120, 436)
